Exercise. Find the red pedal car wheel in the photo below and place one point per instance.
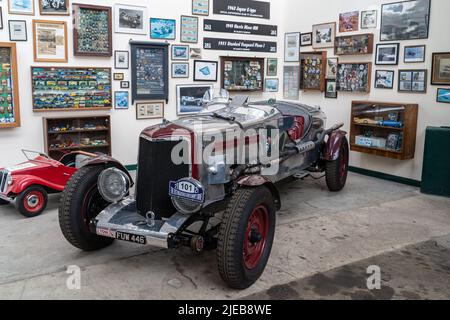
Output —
(256, 237)
(34, 201)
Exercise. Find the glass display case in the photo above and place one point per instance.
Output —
(354, 45)
(384, 129)
(9, 87)
(242, 74)
(313, 68)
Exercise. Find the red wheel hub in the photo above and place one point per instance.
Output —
(34, 201)
(255, 237)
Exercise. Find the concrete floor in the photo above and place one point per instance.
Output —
(317, 232)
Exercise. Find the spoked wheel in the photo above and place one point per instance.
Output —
(337, 171)
(32, 202)
(246, 236)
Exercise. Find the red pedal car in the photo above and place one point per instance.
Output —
(30, 182)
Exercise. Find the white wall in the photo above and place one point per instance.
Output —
(302, 14)
(125, 127)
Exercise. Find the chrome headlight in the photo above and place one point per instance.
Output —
(113, 185)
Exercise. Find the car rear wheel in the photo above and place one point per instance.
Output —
(246, 236)
(337, 171)
(32, 202)
(80, 203)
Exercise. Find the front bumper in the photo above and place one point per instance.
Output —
(123, 217)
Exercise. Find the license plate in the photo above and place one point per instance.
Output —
(131, 238)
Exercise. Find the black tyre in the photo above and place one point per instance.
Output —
(3, 202)
(80, 203)
(337, 171)
(246, 236)
(32, 201)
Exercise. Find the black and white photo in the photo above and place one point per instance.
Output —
(414, 54)
(387, 54)
(54, 7)
(17, 30)
(306, 39)
(131, 19)
(369, 19)
(412, 81)
(292, 47)
(122, 59)
(190, 98)
(324, 35)
(384, 79)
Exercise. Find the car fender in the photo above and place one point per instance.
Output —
(333, 145)
(256, 180)
(21, 182)
(107, 161)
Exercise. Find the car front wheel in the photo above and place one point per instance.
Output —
(32, 202)
(246, 236)
(337, 171)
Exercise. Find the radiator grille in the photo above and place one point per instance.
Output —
(3, 181)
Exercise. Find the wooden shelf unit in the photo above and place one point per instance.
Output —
(380, 111)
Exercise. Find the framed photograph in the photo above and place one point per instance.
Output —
(195, 53)
(292, 47)
(387, 54)
(9, 86)
(443, 95)
(121, 100)
(121, 59)
(130, 19)
(189, 29)
(291, 82)
(150, 110)
(440, 74)
(180, 52)
(349, 21)
(272, 85)
(330, 89)
(24, 7)
(272, 67)
(414, 54)
(369, 19)
(119, 76)
(306, 39)
(17, 30)
(412, 81)
(406, 20)
(190, 98)
(200, 7)
(205, 70)
(125, 85)
(92, 32)
(332, 64)
(50, 41)
(242, 74)
(354, 77)
(384, 79)
(180, 70)
(163, 29)
(323, 35)
(54, 7)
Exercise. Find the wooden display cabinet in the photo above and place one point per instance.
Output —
(313, 66)
(359, 44)
(242, 74)
(90, 133)
(384, 129)
(9, 86)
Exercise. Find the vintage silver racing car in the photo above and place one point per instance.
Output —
(207, 181)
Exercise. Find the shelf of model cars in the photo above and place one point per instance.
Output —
(78, 131)
(79, 147)
(377, 126)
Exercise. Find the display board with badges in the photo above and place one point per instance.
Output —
(9, 88)
(242, 74)
(354, 77)
(313, 68)
(354, 45)
(71, 88)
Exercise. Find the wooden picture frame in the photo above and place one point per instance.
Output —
(78, 8)
(329, 43)
(14, 118)
(358, 44)
(227, 62)
(359, 69)
(56, 13)
(36, 43)
(310, 64)
(21, 12)
(146, 110)
(436, 77)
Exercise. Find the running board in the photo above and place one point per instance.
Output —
(121, 221)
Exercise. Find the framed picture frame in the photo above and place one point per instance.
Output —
(306, 39)
(121, 59)
(130, 19)
(125, 85)
(163, 29)
(205, 70)
(150, 110)
(387, 54)
(354, 77)
(21, 7)
(92, 32)
(54, 8)
(443, 95)
(349, 21)
(50, 41)
(440, 74)
(121, 100)
(18, 30)
(272, 67)
(9, 84)
(190, 98)
(242, 74)
(180, 70)
(291, 82)
(369, 19)
(189, 29)
(330, 89)
(195, 53)
(414, 54)
(412, 81)
(272, 85)
(200, 7)
(405, 20)
(118, 76)
(331, 69)
(384, 79)
(180, 52)
(292, 47)
(312, 70)
(324, 35)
